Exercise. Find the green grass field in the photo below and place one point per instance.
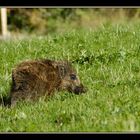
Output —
(108, 62)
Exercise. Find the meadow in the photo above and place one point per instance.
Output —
(107, 60)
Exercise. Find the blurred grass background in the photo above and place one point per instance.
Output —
(41, 21)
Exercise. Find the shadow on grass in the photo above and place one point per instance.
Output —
(5, 101)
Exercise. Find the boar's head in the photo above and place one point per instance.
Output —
(69, 79)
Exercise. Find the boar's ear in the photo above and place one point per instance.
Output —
(62, 71)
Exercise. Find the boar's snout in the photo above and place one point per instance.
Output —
(80, 89)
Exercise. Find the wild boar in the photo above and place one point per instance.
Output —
(33, 79)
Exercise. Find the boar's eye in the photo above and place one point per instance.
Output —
(73, 77)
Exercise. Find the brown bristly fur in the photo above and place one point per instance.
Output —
(33, 79)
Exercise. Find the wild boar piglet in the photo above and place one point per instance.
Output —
(33, 79)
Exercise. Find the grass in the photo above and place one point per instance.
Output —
(108, 63)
